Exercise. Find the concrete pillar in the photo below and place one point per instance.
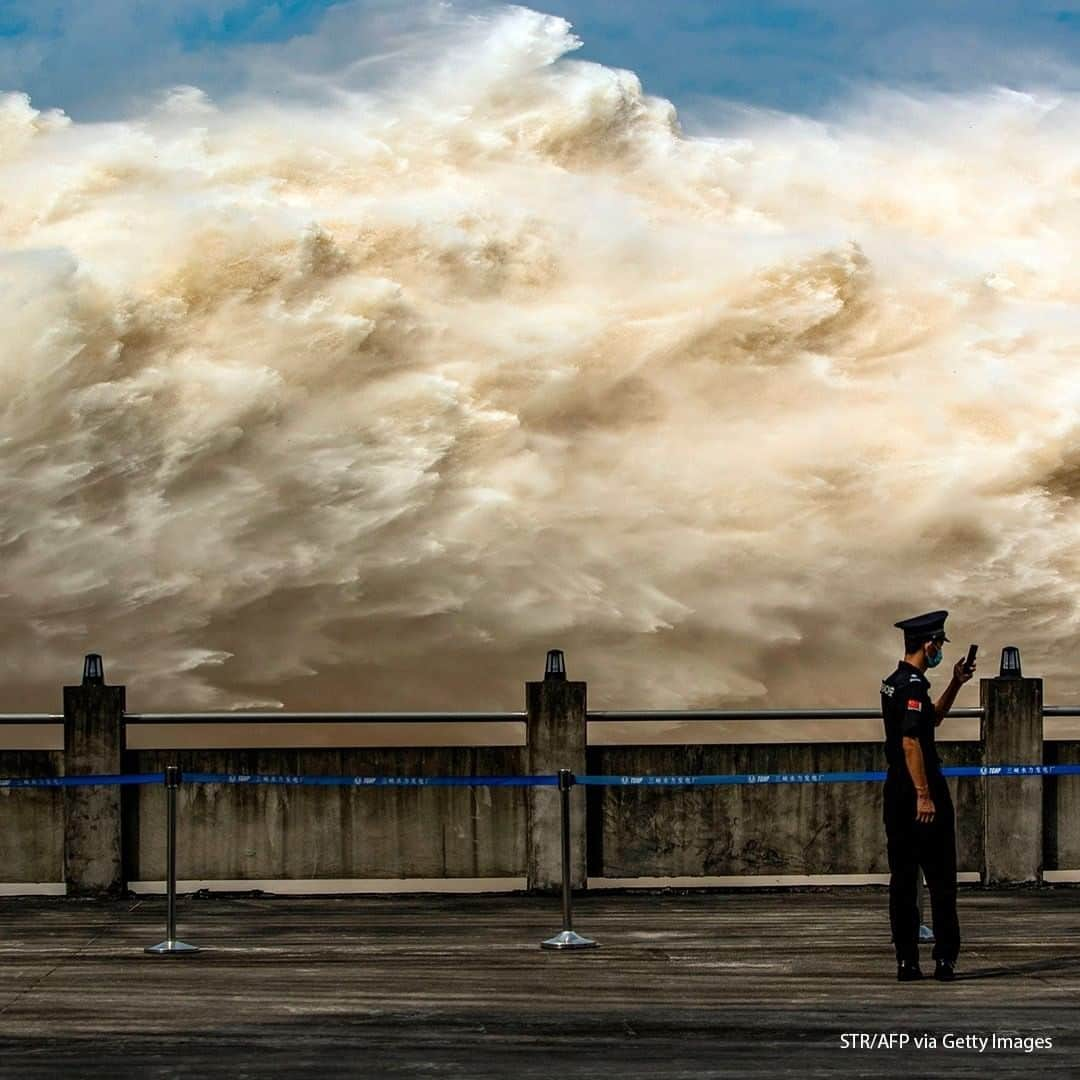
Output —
(1012, 734)
(93, 736)
(556, 734)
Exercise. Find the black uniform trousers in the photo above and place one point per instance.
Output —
(911, 845)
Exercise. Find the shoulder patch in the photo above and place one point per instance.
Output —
(887, 689)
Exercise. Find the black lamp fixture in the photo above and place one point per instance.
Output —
(555, 668)
(1010, 663)
(93, 672)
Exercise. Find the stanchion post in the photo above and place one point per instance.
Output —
(170, 946)
(567, 939)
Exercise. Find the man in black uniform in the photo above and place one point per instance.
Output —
(920, 823)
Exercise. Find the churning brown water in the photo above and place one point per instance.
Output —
(366, 404)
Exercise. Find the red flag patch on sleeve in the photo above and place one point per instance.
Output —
(914, 704)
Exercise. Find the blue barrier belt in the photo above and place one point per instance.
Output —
(372, 781)
(104, 780)
(818, 778)
(520, 781)
(1011, 770)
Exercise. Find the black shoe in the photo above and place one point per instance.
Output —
(908, 971)
(943, 970)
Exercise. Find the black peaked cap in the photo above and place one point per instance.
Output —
(926, 626)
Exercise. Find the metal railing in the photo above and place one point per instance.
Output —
(603, 716)
(326, 718)
(755, 714)
(599, 716)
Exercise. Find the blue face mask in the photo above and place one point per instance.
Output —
(936, 659)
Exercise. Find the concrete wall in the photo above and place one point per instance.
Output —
(1061, 810)
(31, 819)
(262, 831)
(756, 829)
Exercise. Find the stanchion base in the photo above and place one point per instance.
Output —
(926, 934)
(567, 939)
(172, 948)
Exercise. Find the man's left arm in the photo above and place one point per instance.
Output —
(944, 703)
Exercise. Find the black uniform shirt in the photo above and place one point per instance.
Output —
(907, 709)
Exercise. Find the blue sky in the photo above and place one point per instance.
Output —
(92, 59)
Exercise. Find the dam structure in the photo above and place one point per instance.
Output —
(350, 818)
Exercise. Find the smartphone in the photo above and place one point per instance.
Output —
(970, 658)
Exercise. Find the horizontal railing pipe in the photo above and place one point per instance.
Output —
(325, 718)
(754, 714)
(601, 716)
